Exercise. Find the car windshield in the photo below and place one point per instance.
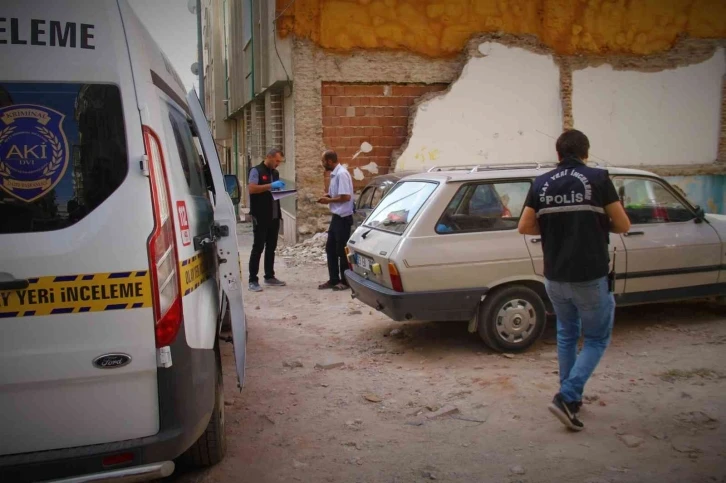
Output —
(400, 206)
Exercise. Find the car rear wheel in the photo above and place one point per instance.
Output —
(211, 446)
(511, 319)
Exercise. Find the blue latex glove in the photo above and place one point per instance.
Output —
(441, 228)
(278, 185)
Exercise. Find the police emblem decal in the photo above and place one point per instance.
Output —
(34, 152)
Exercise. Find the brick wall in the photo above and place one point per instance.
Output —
(377, 113)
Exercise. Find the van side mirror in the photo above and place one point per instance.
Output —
(231, 185)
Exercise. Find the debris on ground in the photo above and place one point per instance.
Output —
(310, 251)
(631, 441)
(292, 364)
(447, 410)
(329, 364)
(297, 464)
(395, 333)
(372, 398)
(517, 470)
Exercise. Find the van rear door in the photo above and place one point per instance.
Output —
(225, 237)
(78, 359)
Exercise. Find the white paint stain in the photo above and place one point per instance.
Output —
(358, 174)
(371, 167)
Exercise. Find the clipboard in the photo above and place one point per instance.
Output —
(280, 194)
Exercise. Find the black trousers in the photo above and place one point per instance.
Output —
(265, 239)
(338, 235)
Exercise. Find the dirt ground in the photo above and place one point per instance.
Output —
(655, 407)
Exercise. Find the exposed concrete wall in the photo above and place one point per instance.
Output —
(312, 66)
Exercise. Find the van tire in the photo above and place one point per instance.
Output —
(528, 308)
(211, 446)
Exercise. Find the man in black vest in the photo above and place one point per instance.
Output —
(266, 216)
(575, 208)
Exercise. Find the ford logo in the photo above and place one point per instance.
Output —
(111, 361)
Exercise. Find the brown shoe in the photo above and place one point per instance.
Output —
(326, 285)
(339, 287)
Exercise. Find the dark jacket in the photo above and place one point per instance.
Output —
(261, 204)
(570, 204)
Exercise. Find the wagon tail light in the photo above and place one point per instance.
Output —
(395, 277)
(163, 258)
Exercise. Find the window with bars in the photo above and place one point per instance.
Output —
(259, 139)
(277, 122)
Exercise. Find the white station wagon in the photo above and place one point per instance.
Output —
(443, 246)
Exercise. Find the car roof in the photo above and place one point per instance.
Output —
(452, 174)
(392, 177)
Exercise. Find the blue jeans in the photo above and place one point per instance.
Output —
(586, 307)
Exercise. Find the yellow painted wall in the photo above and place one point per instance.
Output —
(442, 27)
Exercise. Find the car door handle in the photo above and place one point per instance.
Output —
(634, 233)
(535, 240)
(14, 284)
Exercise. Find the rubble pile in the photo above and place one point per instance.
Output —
(308, 252)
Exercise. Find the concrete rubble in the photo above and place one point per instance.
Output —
(308, 252)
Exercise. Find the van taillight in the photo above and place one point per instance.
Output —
(395, 278)
(163, 258)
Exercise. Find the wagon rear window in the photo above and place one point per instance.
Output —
(400, 206)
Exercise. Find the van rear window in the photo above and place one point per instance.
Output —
(62, 153)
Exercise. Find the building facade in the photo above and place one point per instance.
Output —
(444, 82)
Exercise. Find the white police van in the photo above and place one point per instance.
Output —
(118, 252)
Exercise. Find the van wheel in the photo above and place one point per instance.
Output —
(211, 446)
(511, 319)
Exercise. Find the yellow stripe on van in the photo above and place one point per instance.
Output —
(69, 294)
(98, 292)
(194, 272)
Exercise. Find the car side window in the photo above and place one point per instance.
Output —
(377, 196)
(484, 207)
(364, 202)
(648, 201)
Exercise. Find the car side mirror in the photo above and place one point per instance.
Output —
(231, 185)
(700, 214)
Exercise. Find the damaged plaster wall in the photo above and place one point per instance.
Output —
(633, 118)
(682, 92)
(312, 66)
(504, 108)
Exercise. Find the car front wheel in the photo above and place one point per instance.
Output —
(511, 319)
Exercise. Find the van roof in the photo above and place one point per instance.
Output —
(83, 41)
(455, 174)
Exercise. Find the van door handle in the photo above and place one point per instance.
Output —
(200, 241)
(14, 285)
(634, 233)
(535, 240)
